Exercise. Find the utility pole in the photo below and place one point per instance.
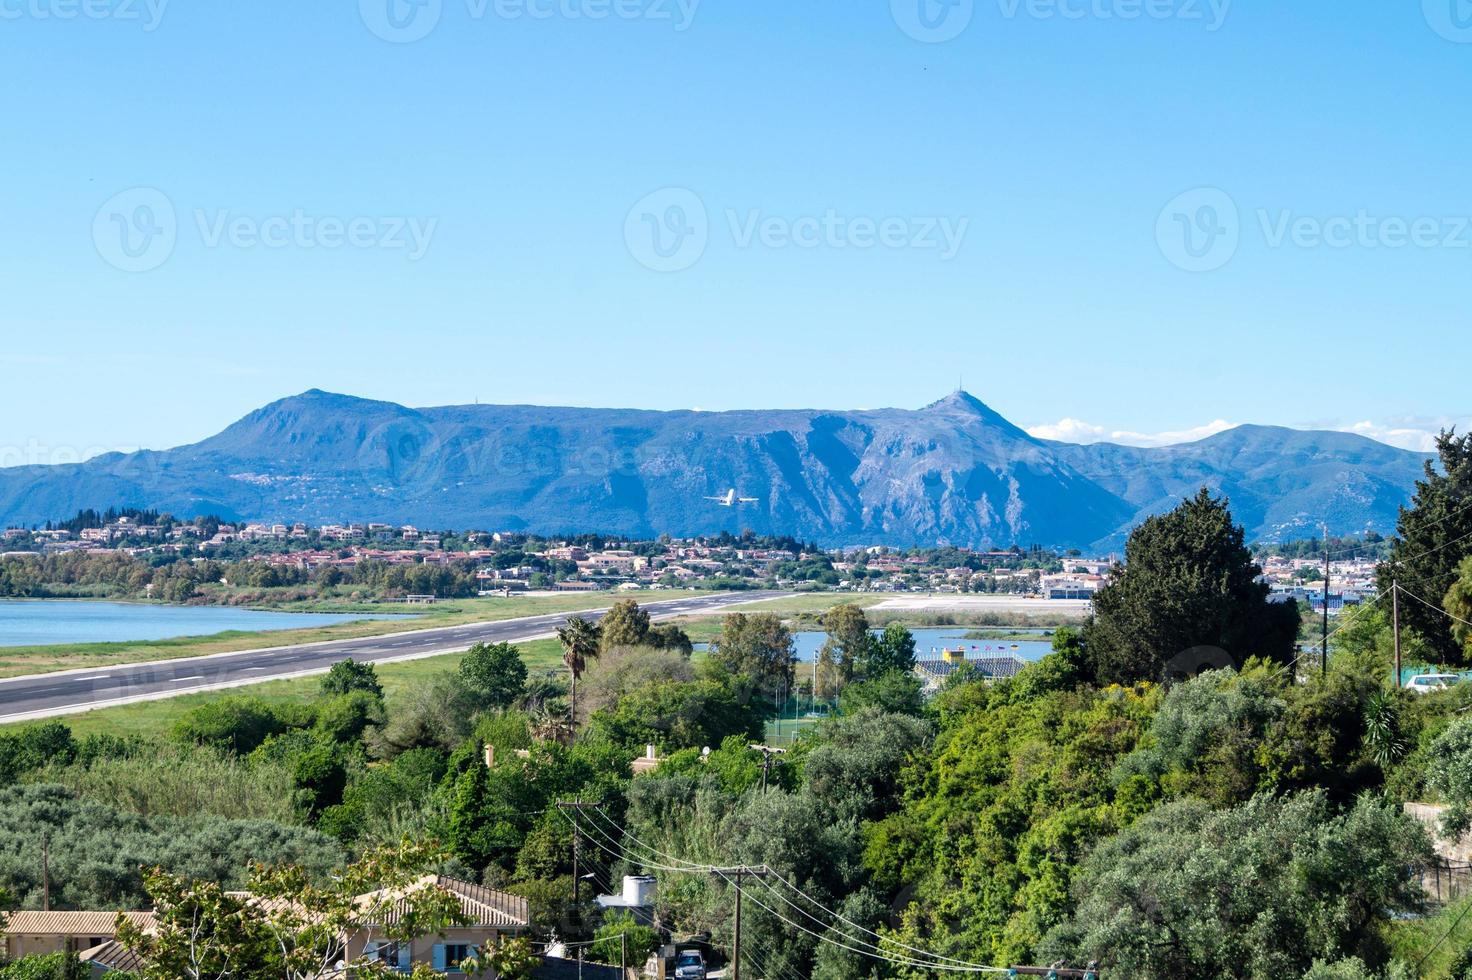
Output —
(577, 806)
(1395, 618)
(741, 872)
(1325, 662)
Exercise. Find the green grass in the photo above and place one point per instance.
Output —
(152, 717)
(1411, 939)
(15, 661)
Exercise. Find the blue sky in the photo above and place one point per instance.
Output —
(209, 205)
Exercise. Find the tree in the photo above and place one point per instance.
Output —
(347, 676)
(580, 643)
(848, 634)
(291, 927)
(758, 647)
(231, 724)
(625, 625)
(1260, 890)
(494, 673)
(1433, 536)
(621, 940)
(511, 959)
(1458, 602)
(1189, 592)
(894, 649)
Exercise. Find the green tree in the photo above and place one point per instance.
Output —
(347, 676)
(1188, 584)
(231, 724)
(848, 636)
(1260, 890)
(758, 646)
(638, 941)
(1433, 536)
(580, 643)
(894, 649)
(1458, 602)
(625, 625)
(494, 673)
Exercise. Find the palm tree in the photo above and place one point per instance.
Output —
(580, 641)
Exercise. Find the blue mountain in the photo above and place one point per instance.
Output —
(952, 472)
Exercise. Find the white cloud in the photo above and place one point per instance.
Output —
(1086, 433)
(1417, 434)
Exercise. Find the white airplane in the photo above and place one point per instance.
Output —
(729, 499)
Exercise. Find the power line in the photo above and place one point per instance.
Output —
(1428, 605)
(870, 952)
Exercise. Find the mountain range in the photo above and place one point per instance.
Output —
(953, 472)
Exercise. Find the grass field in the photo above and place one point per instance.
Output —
(15, 661)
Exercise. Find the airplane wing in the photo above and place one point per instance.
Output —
(747, 500)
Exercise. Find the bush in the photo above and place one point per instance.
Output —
(636, 946)
(232, 724)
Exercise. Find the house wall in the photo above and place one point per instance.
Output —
(422, 950)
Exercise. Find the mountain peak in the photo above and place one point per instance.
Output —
(960, 400)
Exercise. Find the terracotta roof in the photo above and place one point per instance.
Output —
(70, 923)
(114, 956)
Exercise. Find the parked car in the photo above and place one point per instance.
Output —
(689, 965)
(1422, 683)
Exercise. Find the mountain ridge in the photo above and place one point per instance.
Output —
(952, 472)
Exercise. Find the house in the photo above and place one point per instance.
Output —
(490, 916)
(933, 673)
(637, 898)
(40, 933)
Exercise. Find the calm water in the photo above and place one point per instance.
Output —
(47, 623)
(928, 644)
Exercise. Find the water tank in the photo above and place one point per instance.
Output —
(638, 890)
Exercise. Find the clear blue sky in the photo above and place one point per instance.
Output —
(522, 145)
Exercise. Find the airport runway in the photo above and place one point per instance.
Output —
(72, 691)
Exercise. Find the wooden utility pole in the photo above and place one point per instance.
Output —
(577, 806)
(739, 873)
(1325, 662)
(1395, 618)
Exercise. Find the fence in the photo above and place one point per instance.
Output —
(1446, 881)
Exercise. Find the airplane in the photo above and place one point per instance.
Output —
(731, 500)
